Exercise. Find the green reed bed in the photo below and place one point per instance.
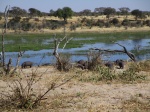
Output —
(45, 40)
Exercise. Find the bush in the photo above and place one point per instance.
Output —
(125, 22)
(73, 27)
(89, 23)
(115, 21)
(107, 25)
(100, 23)
(26, 26)
(131, 74)
(54, 24)
(94, 60)
(26, 19)
(64, 64)
(147, 22)
(36, 19)
(83, 20)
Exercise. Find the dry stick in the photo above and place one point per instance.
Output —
(49, 89)
(6, 13)
(57, 43)
(131, 55)
(20, 54)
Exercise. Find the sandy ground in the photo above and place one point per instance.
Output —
(86, 97)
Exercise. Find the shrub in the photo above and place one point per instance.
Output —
(131, 74)
(36, 19)
(83, 20)
(125, 22)
(94, 60)
(26, 19)
(22, 94)
(100, 23)
(115, 21)
(64, 64)
(89, 23)
(107, 24)
(100, 74)
(147, 22)
(26, 26)
(73, 27)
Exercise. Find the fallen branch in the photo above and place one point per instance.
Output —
(131, 55)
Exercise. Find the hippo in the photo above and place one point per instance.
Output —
(26, 63)
(82, 64)
(120, 63)
(109, 65)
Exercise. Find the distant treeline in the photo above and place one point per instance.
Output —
(20, 19)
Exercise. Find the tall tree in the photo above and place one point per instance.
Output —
(17, 11)
(64, 13)
(51, 12)
(99, 10)
(86, 12)
(137, 13)
(34, 12)
(108, 11)
(124, 10)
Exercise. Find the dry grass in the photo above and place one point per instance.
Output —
(137, 103)
(85, 29)
(83, 96)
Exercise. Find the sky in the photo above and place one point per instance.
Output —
(75, 5)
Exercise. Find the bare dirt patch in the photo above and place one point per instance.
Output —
(76, 96)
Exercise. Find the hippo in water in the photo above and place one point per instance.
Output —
(26, 63)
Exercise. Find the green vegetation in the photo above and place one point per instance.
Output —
(130, 75)
(45, 41)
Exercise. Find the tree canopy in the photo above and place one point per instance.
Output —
(17, 11)
(34, 12)
(124, 10)
(64, 13)
(108, 11)
(137, 13)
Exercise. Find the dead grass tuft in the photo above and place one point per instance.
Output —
(138, 103)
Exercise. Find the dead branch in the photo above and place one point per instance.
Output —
(131, 55)
(56, 47)
(8, 66)
(4, 30)
(52, 87)
(6, 13)
(20, 54)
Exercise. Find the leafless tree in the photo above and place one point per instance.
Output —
(60, 63)
(4, 30)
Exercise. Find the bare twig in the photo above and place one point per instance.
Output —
(20, 54)
(56, 47)
(53, 86)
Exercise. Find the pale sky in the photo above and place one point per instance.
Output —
(75, 5)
